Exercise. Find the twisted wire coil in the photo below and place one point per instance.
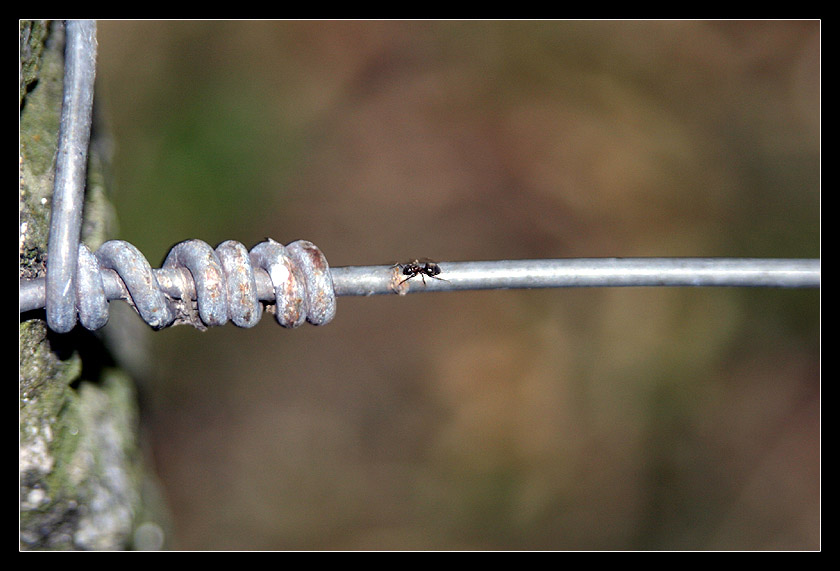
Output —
(205, 286)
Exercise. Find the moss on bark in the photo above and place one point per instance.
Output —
(83, 480)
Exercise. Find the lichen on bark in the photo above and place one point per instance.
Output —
(84, 483)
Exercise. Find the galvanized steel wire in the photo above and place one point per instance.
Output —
(296, 283)
(199, 285)
(70, 173)
(206, 286)
(588, 272)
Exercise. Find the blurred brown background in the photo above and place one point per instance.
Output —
(559, 419)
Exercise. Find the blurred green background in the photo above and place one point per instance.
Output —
(562, 419)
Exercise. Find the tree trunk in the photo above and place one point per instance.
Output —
(83, 479)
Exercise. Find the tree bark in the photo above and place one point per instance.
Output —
(84, 483)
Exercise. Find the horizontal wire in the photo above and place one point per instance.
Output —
(586, 272)
(351, 280)
(518, 274)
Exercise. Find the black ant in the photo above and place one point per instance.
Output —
(426, 269)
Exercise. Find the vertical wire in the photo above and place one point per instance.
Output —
(70, 174)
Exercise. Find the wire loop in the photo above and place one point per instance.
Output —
(205, 287)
